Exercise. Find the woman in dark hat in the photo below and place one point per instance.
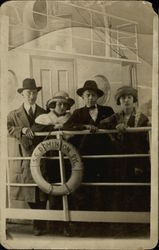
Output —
(126, 98)
(129, 169)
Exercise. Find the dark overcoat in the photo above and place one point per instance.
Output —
(129, 143)
(94, 169)
(20, 169)
(81, 117)
(88, 144)
(124, 169)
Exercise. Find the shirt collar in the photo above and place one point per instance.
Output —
(94, 107)
(132, 113)
(27, 107)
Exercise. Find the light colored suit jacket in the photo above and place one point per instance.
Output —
(20, 169)
(17, 120)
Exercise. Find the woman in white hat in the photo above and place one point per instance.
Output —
(59, 110)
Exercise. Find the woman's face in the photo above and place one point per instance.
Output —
(61, 107)
(126, 101)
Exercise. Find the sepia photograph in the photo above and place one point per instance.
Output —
(79, 124)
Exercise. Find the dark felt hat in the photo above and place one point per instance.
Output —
(90, 85)
(125, 90)
(29, 83)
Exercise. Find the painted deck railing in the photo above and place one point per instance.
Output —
(66, 214)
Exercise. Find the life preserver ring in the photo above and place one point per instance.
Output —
(76, 164)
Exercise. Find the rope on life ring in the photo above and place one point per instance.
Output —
(76, 167)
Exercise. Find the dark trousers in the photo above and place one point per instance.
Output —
(38, 204)
(95, 170)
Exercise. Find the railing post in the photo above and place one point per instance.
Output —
(154, 146)
(4, 32)
(63, 179)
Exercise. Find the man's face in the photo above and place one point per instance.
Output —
(90, 97)
(30, 96)
(61, 107)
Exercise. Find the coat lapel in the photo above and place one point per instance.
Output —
(101, 115)
(120, 119)
(23, 117)
(87, 118)
(131, 122)
(38, 111)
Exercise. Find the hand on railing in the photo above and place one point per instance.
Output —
(28, 132)
(91, 128)
(58, 126)
(121, 127)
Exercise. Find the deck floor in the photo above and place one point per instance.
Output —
(93, 237)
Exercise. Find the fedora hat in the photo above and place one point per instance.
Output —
(60, 96)
(125, 90)
(90, 85)
(29, 83)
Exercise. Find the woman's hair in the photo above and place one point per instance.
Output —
(126, 90)
(134, 99)
(52, 105)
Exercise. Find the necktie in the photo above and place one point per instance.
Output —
(31, 112)
(92, 107)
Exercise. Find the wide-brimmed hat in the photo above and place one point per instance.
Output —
(90, 85)
(29, 83)
(60, 96)
(125, 90)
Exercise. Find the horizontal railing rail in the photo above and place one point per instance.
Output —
(99, 131)
(87, 184)
(84, 156)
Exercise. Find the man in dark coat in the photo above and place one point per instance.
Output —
(19, 123)
(88, 118)
(91, 114)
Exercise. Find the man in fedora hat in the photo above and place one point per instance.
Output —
(19, 123)
(88, 117)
